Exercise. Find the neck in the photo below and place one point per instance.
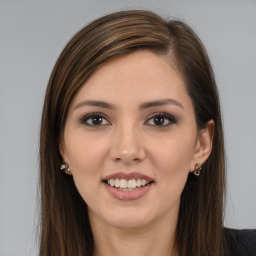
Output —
(156, 239)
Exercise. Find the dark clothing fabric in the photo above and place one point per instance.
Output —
(241, 242)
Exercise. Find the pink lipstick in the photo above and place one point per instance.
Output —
(128, 186)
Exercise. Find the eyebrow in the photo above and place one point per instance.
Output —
(150, 104)
(158, 103)
(94, 103)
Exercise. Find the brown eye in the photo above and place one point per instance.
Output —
(94, 120)
(161, 119)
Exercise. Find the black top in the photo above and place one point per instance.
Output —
(241, 242)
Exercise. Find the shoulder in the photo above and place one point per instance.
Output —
(241, 242)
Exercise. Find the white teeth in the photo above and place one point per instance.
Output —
(123, 183)
(112, 182)
(138, 183)
(132, 183)
(127, 185)
(117, 183)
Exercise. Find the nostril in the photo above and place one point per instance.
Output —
(135, 155)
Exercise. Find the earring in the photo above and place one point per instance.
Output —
(197, 170)
(64, 167)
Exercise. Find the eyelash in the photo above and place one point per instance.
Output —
(164, 116)
(85, 119)
(161, 116)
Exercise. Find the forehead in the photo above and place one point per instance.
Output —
(137, 76)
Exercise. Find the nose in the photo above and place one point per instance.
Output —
(127, 145)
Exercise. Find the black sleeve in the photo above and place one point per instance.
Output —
(241, 242)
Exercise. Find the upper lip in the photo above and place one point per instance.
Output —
(128, 176)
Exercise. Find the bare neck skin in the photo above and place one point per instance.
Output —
(154, 240)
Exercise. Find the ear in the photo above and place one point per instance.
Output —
(203, 147)
(62, 149)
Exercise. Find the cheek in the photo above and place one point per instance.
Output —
(86, 170)
(175, 150)
(83, 152)
(172, 159)
(85, 159)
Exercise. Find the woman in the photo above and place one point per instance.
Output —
(131, 149)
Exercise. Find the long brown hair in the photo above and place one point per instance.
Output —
(65, 227)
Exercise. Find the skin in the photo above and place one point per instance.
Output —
(128, 139)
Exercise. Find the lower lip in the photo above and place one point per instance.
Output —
(128, 195)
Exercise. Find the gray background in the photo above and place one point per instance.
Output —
(32, 35)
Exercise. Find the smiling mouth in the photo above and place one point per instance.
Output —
(127, 185)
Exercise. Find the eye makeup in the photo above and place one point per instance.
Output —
(161, 119)
(94, 120)
(98, 119)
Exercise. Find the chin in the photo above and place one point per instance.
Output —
(128, 223)
(129, 219)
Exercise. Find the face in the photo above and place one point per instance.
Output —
(130, 140)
